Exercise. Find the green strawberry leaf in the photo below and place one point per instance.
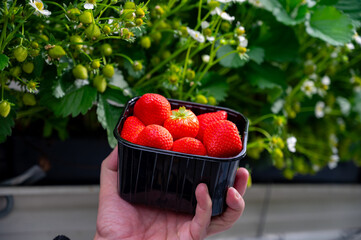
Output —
(74, 103)
(287, 12)
(117, 81)
(39, 65)
(232, 60)
(4, 61)
(108, 117)
(256, 54)
(266, 77)
(214, 85)
(352, 8)
(330, 25)
(6, 125)
(278, 41)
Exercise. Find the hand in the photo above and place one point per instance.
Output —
(118, 219)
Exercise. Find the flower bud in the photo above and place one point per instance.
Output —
(137, 66)
(145, 42)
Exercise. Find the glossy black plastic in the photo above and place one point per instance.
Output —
(168, 179)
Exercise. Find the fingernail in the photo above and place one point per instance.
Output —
(238, 196)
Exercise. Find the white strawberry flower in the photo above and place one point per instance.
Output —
(333, 161)
(243, 42)
(205, 58)
(38, 5)
(223, 14)
(320, 109)
(291, 144)
(357, 38)
(308, 87)
(196, 35)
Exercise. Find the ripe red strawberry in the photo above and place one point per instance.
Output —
(155, 136)
(131, 129)
(222, 139)
(152, 108)
(208, 118)
(182, 123)
(189, 145)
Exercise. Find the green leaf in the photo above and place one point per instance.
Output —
(350, 7)
(330, 25)
(279, 41)
(6, 125)
(108, 117)
(232, 60)
(39, 65)
(75, 102)
(215, 85)
(287, 12)
(266, 77)
(117, 81)
(256, 54)
(4, 61)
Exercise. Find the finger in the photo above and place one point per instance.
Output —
(111, 162)
(240, 183)
(234, 210)
(202, 218)
(108, 173)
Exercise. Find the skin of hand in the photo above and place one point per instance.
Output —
(118, 219)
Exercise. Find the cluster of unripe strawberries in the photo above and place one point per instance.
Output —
(155, 124)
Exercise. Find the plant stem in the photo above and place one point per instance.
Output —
(124, 56)
(184, 71)
(260, 130)
(260, 119)
(199, 12)
(29, 112)
(3, 33)
(56, 4)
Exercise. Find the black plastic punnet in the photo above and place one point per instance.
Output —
(167, 179)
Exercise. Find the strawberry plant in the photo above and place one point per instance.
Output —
(291, 67)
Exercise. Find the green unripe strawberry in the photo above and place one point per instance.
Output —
(137, 66)
(34, 45)
(190, 74)
(213, 4)
(166, 54)
(145, 42)
(212, 100)
(73, 13)
(34, 52)
(44, 37)
(225, 26)
(128, 14)
(4, 108)
(173, 78)
(106, 29)
(93, 31)
(56, 52)
(29, 99)
(207, 32)
(138, 22)
(76, 40)
(108, 71)
(156, 36)
(86, 17)
(159, 10)
(201, 99)
(100, 83)
(28, 67)
(129, 5)
(80, 72)
(20, 53)
(288, 174)
(106, 49)
(277, 156)
(95, 64)
(139, 13)
(15, 71)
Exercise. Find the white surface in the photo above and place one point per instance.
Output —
(45, 212)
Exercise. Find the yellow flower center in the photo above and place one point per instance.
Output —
(39, 5)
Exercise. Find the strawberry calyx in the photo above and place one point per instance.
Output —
(181, 113)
